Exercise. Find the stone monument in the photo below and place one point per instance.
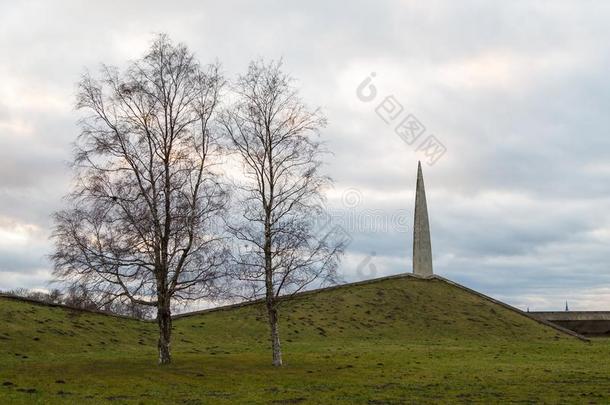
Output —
(422, 248)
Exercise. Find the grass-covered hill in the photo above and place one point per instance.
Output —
(392, 341)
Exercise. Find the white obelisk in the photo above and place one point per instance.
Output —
(422, 248)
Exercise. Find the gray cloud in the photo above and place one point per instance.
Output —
(516, 91)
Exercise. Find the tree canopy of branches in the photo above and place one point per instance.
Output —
(142, 221)
(280, 193)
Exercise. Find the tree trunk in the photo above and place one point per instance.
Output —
(275, 336)
(270, 294)
(164, 319)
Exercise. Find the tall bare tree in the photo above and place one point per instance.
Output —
(281, 194)
(143, 217)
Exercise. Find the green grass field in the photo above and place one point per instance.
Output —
(395, 341)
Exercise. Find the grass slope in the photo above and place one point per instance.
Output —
(400, 340)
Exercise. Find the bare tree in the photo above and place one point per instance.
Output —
(281, 194)
(79, 296)
(54, 296)
(143, 219)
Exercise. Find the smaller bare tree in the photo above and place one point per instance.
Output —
(281, 193)
(146, 200)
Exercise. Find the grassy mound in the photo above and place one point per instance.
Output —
(398, 340)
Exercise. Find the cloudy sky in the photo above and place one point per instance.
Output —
(516, 93)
